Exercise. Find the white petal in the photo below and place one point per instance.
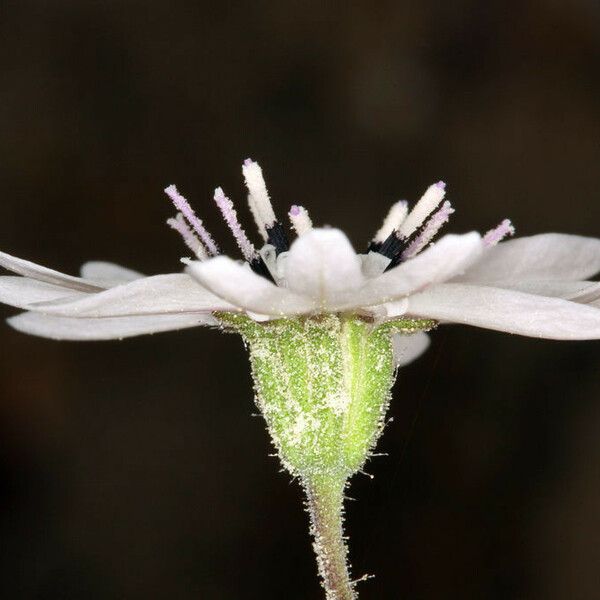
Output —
(66, 328)
(452, 254)
(161, 294)
(409, 347)
(507, 310)
(322, 265)
(108, 274)
(583, 292)
(258, 317)
(22, 291)
(397, 308)
(29, 269)
(540, 257)
(237, 284)
(588, 295)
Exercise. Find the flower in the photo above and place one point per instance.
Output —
(326, 327)
(536, 286)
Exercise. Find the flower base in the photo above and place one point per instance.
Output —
(323, 385)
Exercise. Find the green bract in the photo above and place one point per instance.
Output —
(323, 386)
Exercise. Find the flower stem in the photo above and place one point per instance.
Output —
(325, 500)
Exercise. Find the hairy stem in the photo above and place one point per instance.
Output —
(325, 499)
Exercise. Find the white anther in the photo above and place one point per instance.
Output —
(394, 219)
(258, 197)
(425, 206)
(300, 219)
(257, 218)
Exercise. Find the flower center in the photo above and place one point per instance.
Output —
(402, 235)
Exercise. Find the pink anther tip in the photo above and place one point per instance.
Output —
(294, 210)
(441, 185)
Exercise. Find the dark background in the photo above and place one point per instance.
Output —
(134, 470)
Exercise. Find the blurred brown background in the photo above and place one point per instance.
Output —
(134, 470)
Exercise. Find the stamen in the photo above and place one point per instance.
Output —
(392, 248)
(493, 236)
(230, 215)
(179, 224)
(261, 208)
(258, 197)
(257, 219)
(184, 207)
(301, 221)
(260, 268)
(277, 237)
(425, 206)
(393, 220)
(435, 223)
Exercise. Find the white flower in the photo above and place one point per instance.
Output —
(536, 286)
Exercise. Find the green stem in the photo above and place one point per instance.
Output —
(325, 498)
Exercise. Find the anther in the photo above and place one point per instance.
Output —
(392, 221)
(433, 225)
(229, 214)
(261, 208)
(258, 197)
(425, 206)
(182, 205)
(493, 236)
(179, 224)
(257, 219)
(300, 219)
